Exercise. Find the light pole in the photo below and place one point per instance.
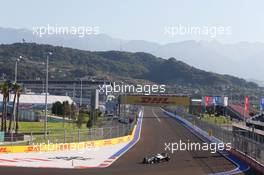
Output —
(46, 95)
(17, 60)
(81, 94)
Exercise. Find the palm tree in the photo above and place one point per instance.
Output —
(5, 91)
(15, 88)
(3, 87)
(19, 90)
(2, 126)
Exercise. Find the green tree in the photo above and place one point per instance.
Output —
(82, 118)
(90, 123)
(73, 111)
(66, 111)
(57, 108)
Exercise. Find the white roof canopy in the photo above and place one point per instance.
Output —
(38, 98)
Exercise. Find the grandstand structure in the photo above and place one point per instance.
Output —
(256, 121)
(252, 128)
(238, 112)
(78, 90)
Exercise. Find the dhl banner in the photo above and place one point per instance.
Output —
(154, 100)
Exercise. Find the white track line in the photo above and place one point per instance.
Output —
(155, 115)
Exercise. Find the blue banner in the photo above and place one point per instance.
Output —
(218, 101)
(262, 104)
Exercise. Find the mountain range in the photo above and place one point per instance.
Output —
(69, 64)
(242, 59)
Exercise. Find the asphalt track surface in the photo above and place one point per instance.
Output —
(157, 129)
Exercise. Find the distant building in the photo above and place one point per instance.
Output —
(111, 106)
(32, 105)
(253, 128)
(79, 91)
(248, 132)
(38, 99)
(256, 121)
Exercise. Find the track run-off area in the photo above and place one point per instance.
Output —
(157, 129)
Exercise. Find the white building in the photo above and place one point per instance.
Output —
(29, 103)
(38, 99)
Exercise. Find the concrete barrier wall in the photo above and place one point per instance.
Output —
(252, 163)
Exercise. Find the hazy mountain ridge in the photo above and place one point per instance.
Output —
(240, 59)
(69, 64)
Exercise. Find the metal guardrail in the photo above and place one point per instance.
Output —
(248, 146)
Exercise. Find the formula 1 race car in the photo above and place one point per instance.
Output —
(163, 157)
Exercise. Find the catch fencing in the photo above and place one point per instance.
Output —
(68, 135)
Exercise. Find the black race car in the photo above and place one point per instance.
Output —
(163, 157)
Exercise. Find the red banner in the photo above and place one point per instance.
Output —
(208, 100)
(246, 104)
